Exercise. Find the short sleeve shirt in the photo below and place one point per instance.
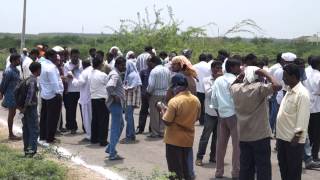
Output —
(251, 105)
(183, 111)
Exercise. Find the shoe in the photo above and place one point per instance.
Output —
(138, 131)
(63, 130)
(199, 162)
(218, 177)
(235, 178)
(116, 158)
(104, 143)
(14, 138)
(212, 160)
(153, 136)
(127, 141)
(316, 159)
(73, 132)
(312, 165)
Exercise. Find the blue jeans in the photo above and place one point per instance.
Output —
(130, 133)
(116, 128)
(190, 163)
(30, 128)
(273, 111)
(307, 151)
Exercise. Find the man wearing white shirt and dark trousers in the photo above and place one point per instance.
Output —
(73, 67)
(313, 85)
(292, 124)
(203, 71)
(211, 117)
(100, 112)
(51, 94)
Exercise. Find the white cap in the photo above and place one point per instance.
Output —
(58, 49)
(24, 49)
(288, 56)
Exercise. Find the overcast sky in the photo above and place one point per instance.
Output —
(278, 18)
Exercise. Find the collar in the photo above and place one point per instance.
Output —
(186, 92)
(296, 88)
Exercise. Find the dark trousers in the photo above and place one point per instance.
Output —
(290, 160)
(49, 117)
(255, 156)
(314, 134)
(70, 103)
(30, 128)
(100, 121)
(143, 112)
(210, 127)
(177, 159)
(201, 97)
(84, 130)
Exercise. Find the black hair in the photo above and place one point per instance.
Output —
(299, 61)
(91, 50)
(215, 64)
(156, 60)
(34, 66)
(148, 48)
(163, 54)
(101, 53)
(120, 60)
(75, 51)
(237, 56)
(279, 58)
(14, 57)
(202, 57)
(209, 57)
(310, 59)
(232, 63)
(223, 53)
(250, 59)
(265, 60)
(260, 64)
(12, 50)
(292, 69)
(96, 62)
(315, 62)
(50, 53)
(86, 63)
(34, 51)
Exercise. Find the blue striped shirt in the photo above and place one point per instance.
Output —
(159, 80)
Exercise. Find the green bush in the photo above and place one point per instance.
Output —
(13, 165)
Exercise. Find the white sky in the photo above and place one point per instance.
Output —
(279, 18)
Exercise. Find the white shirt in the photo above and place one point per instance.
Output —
(274, 68)
(221, 95)
(25, 67)
(98, 84)
(70, 68)
(142, 61)
(278, 75)
(308, 70)
(83, 82)
(208, 83)
(312, 83)
(203, 70)
(50, 81)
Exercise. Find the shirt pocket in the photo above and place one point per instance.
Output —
(290, 107)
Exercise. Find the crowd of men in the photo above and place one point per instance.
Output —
(232, 96)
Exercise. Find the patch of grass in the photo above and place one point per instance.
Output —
(13, 165)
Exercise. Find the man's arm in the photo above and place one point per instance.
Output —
(275, 84)
(303, 115)
(30, 93)
(169, 114)
(151, 83)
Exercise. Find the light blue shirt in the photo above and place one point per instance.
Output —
(221, 97)
(50, 80)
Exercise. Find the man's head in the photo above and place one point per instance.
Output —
(34, 54)
(120, 64)
(86, 63)
(279, 59)
(15, 59)
(310, 59)
(96, 63)
(172, 55)
(187, 53)
(25, 51)
(51, 55)
(35, 68)
(92, 52)
(100, 55)
(233, 66)
(74, 56)
(250, 60)
(163, 55)
(155, 60)
(202, 57)
(216, 68)
(12, 50)
(114, 51)
(209, 57)
(222, 55)
(148, 49)
(315, 62)
(179, 83)
(287, 58)
(291, 75)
